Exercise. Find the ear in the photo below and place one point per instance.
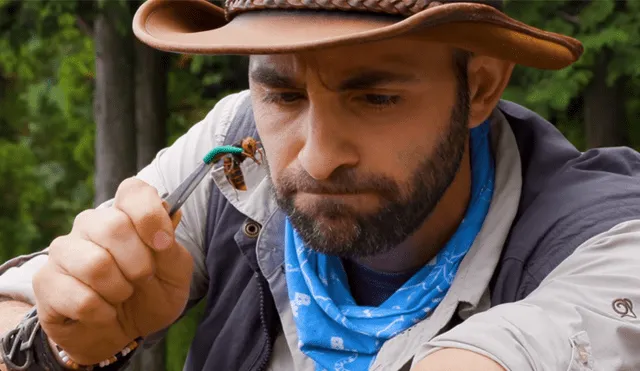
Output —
(488, 77)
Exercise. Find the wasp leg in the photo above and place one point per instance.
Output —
(237, 196)
(253, 157)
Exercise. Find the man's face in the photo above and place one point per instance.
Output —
(362, 141)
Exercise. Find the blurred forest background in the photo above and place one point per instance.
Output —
(84, 105)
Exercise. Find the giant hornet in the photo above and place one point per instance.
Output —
(232, 162)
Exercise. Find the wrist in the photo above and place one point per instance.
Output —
(54, 349)
(27, 347)
(68, 363)
(11, 313)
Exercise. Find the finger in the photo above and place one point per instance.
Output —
(60, 297)
(112, 230)
(81, 216)
(92, 265)
(143, 205)
(177, 216)
(174, 266)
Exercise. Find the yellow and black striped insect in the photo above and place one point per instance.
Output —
(232, 162)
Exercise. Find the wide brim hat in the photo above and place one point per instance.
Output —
(245, 27)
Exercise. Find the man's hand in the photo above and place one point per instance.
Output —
(118, 275)
(452, 359)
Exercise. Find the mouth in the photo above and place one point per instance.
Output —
(335, 194)
(319, 203)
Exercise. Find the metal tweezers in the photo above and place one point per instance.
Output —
(178, 197)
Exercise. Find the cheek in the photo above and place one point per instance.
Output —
(395, 164)
(416, 123)
(398, 152)
(412, 137)
(426, 119)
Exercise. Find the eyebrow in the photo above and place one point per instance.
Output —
(364, 79)
(372, 78)
(269, 76)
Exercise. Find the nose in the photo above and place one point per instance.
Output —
(328, 143)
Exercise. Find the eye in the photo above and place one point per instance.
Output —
(381, 100)
(282, 98)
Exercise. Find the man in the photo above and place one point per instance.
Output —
(404, 217)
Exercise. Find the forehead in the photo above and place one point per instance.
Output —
(408, 53)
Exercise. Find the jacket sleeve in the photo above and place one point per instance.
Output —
(583, 316)
(169, 168)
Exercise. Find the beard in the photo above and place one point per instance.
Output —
(404, 207)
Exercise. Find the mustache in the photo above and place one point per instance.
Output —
(341, 181)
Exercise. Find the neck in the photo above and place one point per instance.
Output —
(426, 242)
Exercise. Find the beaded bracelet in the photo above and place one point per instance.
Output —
(69, 364)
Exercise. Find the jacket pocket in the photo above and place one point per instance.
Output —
(581, 355)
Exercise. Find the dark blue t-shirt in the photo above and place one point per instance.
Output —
(371, 288)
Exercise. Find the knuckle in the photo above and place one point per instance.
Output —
(152, 218)
(99, 265)
(115, 224)
(141, 271)
(124, 292)
(128, 184)
(57, 245)
(144, 208)
(88, 306)
(85, 304)
(130, 190)
(83, 217)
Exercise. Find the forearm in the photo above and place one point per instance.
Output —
(456, 360)
(11, 312)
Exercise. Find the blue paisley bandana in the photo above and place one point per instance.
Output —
(340, 335)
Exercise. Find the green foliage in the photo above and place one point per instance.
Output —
(601, 25)
(180, 336)
(47, 129)
(20, 198)
(49, 110)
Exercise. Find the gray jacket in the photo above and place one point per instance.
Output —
(574, 307)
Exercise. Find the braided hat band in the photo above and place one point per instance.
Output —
(404, 8)
(392, 7)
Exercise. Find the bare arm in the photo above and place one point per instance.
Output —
(452, 359)
(11, 312)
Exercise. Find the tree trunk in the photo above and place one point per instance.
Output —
(113, 101)
(151, 135)
(605, 119)
(151, 102)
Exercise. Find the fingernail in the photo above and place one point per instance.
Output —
(161, 240)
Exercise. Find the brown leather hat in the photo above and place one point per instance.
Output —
(285, 26)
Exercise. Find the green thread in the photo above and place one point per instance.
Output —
(215, 154)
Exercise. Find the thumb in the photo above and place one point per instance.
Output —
(177, 216)
(175, 264)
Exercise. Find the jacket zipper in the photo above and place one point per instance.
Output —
(267, 356)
